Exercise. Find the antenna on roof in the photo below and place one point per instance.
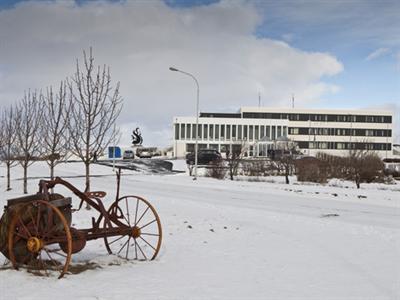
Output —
(259, 99)
(292, 100)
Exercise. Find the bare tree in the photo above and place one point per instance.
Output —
(96, 105)
(234, 159)
(283, 156)
(286, 164)
(7, 144)
(56, 109)
(28, 120)
(364, 166)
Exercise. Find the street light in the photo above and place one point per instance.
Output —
(197, 117)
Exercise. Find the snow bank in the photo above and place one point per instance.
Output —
(234, 240)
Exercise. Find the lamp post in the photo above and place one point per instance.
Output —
(197, 117)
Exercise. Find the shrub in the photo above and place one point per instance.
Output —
(216, 170)
(259, 168)
(311, 169)
(365, 167)
(359, 166)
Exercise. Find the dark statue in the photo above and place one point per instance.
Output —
(137, 137)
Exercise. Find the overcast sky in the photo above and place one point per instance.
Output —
(329, 54)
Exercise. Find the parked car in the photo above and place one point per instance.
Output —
(128, 154)
(146, 152)
(204, 157)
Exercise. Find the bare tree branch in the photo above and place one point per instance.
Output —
(28, 123)
(95, 107)
(56, 110)
(8, 137)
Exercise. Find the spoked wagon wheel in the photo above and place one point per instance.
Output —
(37, 232)
(140, 228)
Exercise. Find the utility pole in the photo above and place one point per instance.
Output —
(197, 118)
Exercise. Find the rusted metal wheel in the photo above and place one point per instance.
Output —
(35, 233)
(140, 229)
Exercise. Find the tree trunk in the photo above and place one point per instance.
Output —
(25, 167)
(51, 170)
(87, 173)
(358, 180)
(8, 176)
(87, 176)
(287, 170)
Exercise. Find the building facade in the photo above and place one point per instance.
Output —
(258, 129)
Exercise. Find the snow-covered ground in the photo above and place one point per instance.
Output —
(234, 240)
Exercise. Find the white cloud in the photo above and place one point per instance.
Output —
(140, 40)
(377, 53)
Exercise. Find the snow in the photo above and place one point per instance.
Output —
(233, 240)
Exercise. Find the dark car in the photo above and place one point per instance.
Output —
(204, 157)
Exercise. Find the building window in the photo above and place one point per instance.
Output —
(293, 130)
(182, 131)
(211, 131)
(224, 148)
(369, 119)
(268, 131)
(199, 131)
(193, 131)
(262, 131)
(245, 132)
(239, 132)
(217, 132)
(189, 147)
(205, 131)
(251, 133)
(284, 131)
(233, 131)
(188, 129)
(387, 119)
(176, 131)
(256, 133)
(273, 133)
(228, 132)
(279, 131)
(369, 132)
(222, 132)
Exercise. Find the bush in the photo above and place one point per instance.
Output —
(216, 170)
(366, 167)
(258, 168)
(311, 169)
(359, 166)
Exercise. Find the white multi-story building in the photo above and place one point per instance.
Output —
(257, 129)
